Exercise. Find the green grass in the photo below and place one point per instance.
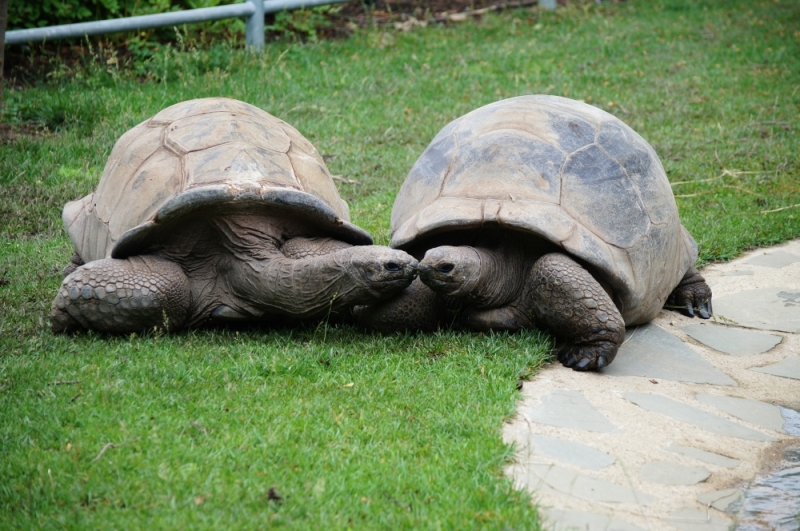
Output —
(205, 422)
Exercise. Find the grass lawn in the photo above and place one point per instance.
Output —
(328, 427)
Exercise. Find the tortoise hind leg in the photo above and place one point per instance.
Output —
(692, 293)
(575, 307)
(122, 296)
(75, 262)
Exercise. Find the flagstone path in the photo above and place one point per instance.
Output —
(693, 427)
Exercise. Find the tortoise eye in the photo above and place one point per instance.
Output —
(393, 266)
(445, 268)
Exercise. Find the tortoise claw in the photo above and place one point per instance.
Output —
(587, 357)
(705, 309)
(692, 295)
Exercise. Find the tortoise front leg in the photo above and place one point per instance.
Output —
(122, 296)
(575, 307)
(416, 308)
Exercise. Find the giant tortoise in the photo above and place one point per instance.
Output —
(542, 211)
(215, 210)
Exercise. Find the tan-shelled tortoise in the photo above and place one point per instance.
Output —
(215, 209)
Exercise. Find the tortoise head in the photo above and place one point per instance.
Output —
(451, 270)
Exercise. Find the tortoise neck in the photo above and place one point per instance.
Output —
(502, 276)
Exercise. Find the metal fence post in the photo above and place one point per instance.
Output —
(254, 37)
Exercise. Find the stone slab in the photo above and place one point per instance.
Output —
(752, 411)
(691, 519)
(733, 341)
(652, 352)
(574, 453)
(696, 417)
(673, 473)
(575, 484)
(569, 409)
(787, 368)
(572, 520)
(776, 259)
(720, 499)
(707, 457)
(765, 309)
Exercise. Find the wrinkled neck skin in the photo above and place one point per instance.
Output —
(482, 277)
(300, 288)
(236, 261)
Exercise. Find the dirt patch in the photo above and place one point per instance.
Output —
(12, 132)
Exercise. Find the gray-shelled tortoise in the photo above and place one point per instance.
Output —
(541, 210)
(214, 209)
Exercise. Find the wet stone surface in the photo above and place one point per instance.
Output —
(671, 435)
(720, 499)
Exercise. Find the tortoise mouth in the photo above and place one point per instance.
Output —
(274, 201)
(439, 277)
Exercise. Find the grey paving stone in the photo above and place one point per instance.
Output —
(572, 520)
(696, 417)
(673, 473)
(572, 452)
(729, 340)
(569, 409)
(585, 487)
(707, 457)
(776, 259)
(788, 368)
(753, 411)
(766, 309)
(720, 499)
(652, 352)
(691, 519)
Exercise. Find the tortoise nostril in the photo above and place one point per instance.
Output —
(445, 268)
(393, 266)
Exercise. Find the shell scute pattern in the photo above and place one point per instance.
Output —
(598, 192)
(197, 154)
(529, 168)
(561, 170)
(195, 133)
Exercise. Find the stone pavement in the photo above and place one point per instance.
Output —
(688, 425)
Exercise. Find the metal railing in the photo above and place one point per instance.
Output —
(253, 10)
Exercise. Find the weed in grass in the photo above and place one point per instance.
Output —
(352, 429)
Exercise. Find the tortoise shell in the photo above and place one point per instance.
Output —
(562, 171)
(212, 153)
